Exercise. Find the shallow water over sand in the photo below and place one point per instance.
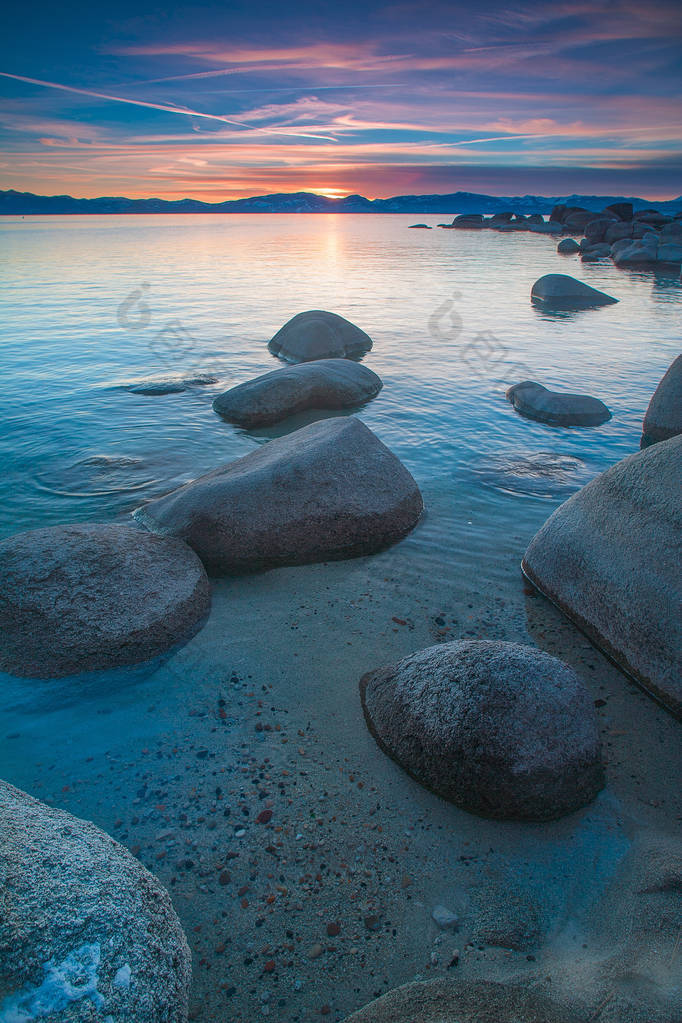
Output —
(176, 760)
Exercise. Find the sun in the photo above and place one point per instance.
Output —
(330, 193)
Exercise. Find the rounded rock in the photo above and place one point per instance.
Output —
(499, 729)
(557, 408)
(323, 384)
(663, 418)
(560, 291)
(317, 334)
(85, 931)
(95, 596)
(568, 247)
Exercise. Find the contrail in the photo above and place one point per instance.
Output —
(167, 108)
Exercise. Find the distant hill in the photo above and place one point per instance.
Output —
(26, 204)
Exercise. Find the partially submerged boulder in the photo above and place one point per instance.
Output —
(323, 384)
(466, 1001)
(499, 729)
(568, 246)
(609, 558)
(328, 491)
(557, 408)
(92, 596)
(317, 334)
(560, 291)
(663, 417)
(85, 931)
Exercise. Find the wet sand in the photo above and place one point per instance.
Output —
(303, 863)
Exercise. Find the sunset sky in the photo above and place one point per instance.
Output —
(223, 101)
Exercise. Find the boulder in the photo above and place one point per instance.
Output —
(558, 408)
(501, 218)
(595, 230)
(654, 217)
(595, 252)
(330, 490)
(468, 220)
(622, 210)
(157, 387)
(663, 417)
(640, 252)
(425, 227)
(324, 384)
(616, 231)
(577, 222)
(499, 729)
(317, 334)
(91, 596)
(671, 231)
(86, 933)
(669, 252)
(568, 247)
(640, 229)
(609, 558)
(558, 213)
(559, 291)
(467, 1001)
(535, 218)
(545, 228)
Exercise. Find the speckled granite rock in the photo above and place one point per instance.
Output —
(610, 557)
(500, 729)
(86, 933)
(560, 291)
(317, 334)
(663, 418)
(557, 408)
(93, 596)
(322, 384)
(466, 1001)
(328, 491)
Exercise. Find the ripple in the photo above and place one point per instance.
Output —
(95, 476)
(547, 474)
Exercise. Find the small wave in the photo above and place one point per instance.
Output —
(536, 474)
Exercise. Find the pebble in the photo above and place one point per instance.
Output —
(444, 917)
(315, 951)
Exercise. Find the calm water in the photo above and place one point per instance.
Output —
(92, 305)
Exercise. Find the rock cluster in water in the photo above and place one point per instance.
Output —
(641, 238)
(557, 408)
(317, 334)
(330, 490)
(322, 384)
(85, 931)
(93, 596)
(610, 558)
(499, 729)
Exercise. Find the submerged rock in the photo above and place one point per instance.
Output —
(94, 596)
(85, 931)
(609, 558)
(466, 1001)
(157, 387)
(317, 334)
(424, 227)
(556, 407)
(330, 490)
(663, 417)
(500, 729)
(559, 291)
(323, 384)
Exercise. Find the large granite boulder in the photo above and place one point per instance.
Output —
(639, 252)
(323, 384)
(577, 222)
(663, 417)
(559, 291)
(616, 231)
(92, 596)
(557, 408)
(609, 558)
(568, 247)
(467, 1001)
(595, 230)
(317, 334)
(623, 210)
(86, 933)
(330, 490)
(468, 220)
(500, 729)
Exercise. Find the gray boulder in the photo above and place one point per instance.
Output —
(616, 231)
(596, 252)
(468, 220)
(639, 252)
(663, 417)
(595, 230)
(559, 291)
(568, 247)
(467, 1001)
(557, 408)
(86, 933)
(175, 386)
(424, 227)
(324, 384)
(92, 596)
(577, 222)
(669, 252)
(317, 334)
(609, 558)
(499, 729)
(328, 491)
(622, 210)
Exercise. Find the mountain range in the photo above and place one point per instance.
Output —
(26, 203)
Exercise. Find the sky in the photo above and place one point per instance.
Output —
(221, 101)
